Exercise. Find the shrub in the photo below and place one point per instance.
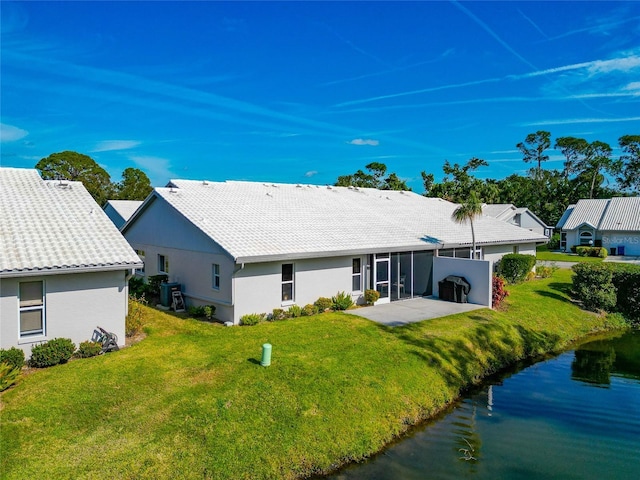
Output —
(153, 284)
(252, 319)
(626, 280)
(209, 311)
(294, 311)
(13, 357)
(136, 316)
(323, 304)
(53, 352)
(88, 349)
(278, 314)
(8, 375)
(592, 252)
(341, 301)
(593, 286)
(371, 296)
(498, 292)
(545, 272)
(573, 248)
(514, 267)
(309, 310)
(137, 287)
(195, 311)
(554, 242)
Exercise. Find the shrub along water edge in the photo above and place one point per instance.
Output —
(192, 401)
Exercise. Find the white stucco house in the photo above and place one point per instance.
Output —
(522, 217)
(64, 266)
(250, 247)
(119, 211)
(611, 223)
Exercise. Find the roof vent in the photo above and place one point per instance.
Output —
(298, 186)
(329, 187)
(269, 194)
(171, 190)
(204, 182)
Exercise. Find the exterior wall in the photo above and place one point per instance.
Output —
(258, 287)
(630, 241)
(529, 223)
(190, 255)
(193, 271)
(495, 252)
(75, 304)
(477, 273)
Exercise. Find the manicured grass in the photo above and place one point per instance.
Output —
(191, 400)
(542, 253)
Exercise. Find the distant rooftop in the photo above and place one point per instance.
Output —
(615, 214)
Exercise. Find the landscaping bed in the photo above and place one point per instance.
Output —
(192, 401)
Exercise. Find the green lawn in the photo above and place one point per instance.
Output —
(543, 253)
(191, 400)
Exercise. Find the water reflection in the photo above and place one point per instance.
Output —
(535, 423)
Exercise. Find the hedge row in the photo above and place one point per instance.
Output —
(514, 267)
(613, 287)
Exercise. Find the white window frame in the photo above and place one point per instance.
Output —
(215, 276)
(163, 266)
(357, 275)
(291, 282)
(32, 308)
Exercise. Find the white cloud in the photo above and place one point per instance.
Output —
(622, 64)
(110, 145)
(633, 87)
(157, 168)
(570, 121)
(363, 141)
(9, 133)
(311, 173)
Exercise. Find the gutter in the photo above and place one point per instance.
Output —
(68, 270)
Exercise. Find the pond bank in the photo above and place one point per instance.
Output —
(192, 401)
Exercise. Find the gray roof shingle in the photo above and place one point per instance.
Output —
(255, 221)
(51, 226)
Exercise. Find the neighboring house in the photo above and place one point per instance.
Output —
(250, 247)
(522, 217)
(63, 265)
(611, 223)
(119, 211)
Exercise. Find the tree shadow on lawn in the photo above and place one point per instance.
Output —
(480, 351)
(564, 288)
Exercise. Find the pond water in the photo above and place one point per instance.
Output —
(576, 416)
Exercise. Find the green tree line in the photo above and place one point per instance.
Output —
(587, 168)
(74, 166)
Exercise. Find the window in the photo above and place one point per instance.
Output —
(31, 308)
(586, 238)
(356, 275)
(215, 276)
(140, 271)
(516, 249)
(287, 282)
(163, 264)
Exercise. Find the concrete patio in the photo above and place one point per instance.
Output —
(404, 312)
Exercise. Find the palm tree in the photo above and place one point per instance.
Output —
(468, 210)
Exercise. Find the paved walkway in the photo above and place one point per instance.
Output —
(623, 259)
(414, 310)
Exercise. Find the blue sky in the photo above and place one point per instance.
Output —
(304, 92)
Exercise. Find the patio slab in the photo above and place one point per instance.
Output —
(404, 312)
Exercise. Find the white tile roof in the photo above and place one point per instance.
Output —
(618, 213)
(501, 211)
(256, 221)
(51, 226)
(124, 208)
